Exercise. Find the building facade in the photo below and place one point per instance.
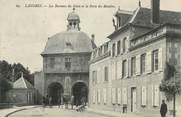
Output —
(22, 93)
(65, 63)
(125, 72)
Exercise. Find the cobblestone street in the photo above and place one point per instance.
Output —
(53, 112)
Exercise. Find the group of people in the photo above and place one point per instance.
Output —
(64, 101)
(47, 101)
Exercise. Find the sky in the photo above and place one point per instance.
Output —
(24, 31)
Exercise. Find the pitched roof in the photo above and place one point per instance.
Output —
(142, 17)
(22, 83)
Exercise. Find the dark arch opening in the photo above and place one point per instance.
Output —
(55, 91)
(80, 91)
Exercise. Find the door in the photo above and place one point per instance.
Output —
(133, 99)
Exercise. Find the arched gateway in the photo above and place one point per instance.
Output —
(66, 60)
(80, 91)
(55, 90)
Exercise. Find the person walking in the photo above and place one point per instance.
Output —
(50, 102)
(163, 109)
(62, 101)
(59, 102)
(72, 101)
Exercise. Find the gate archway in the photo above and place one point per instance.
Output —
(79, 91)
(55, 90)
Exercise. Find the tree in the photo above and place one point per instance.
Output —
(171, 85)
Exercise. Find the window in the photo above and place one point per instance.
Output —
(124, 69)
(155, 60)
(105, 73)
(113, 49)
(94, 77)
(133, 66)
(105, 47)
(100, 51)
(143, 59)
(52, 62)
(143, 96)
(118, 47)
(124, 45)
(68, 63)
(104, 95)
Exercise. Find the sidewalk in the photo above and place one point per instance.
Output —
(6, 112)
(118, 114)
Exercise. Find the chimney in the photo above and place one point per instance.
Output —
(155, 11)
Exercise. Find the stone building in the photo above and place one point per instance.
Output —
(65, 63)
(22, 93)
(125, 72)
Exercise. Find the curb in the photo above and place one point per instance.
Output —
(7, 115)
(104, 114)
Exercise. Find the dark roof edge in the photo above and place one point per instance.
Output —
(166, 24)
(45, 54)
(115, 33)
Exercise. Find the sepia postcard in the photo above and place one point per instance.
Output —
(90, 58)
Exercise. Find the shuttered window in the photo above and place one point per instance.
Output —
(148, 62)
(133, 66)
(105, 95)
(113, 95)
(124, 68)
(118, 47)
(124, 95)
(156, 95)
(94, 97)
(160, 57)
(143, 96)
(138, 65)
(119, 96)
(143, 63)
(113, 49)
(99, 96)
(106, 73)
(155, 60)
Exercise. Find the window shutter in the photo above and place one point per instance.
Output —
(121, 45)
(119, 95)
(143, 102)
(113, 70)
(94, 96)
(119, 66)
(124, 96)
(138, 65)
(105, 95)
(113, 95)
(127, 44)
(152, 95)
(157, 93)
(99, 95)
(160, 59)
(149, 62)
(115, 49)
(127, 68)
(103, 74)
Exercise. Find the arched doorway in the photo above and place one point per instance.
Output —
(55, 90)
(79, 90)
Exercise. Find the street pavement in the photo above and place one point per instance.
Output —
(38, 111)
(54, 112)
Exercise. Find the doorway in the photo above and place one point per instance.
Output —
(55, 90)
(79, 91)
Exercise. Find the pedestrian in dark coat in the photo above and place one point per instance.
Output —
(163, 109)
